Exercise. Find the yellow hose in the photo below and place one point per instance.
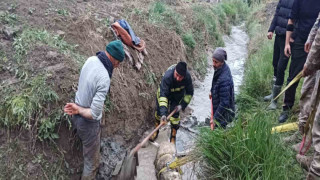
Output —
(285, 127)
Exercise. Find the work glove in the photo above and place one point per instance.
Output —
(164, 118)
(179, 107)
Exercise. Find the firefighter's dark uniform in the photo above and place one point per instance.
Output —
(170, 94)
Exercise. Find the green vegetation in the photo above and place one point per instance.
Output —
(8, 18)
(204, 26)
(29, 107)
(200, 64)
(35, 106)
(29, 38)
(149, 76)
(246, 153)
(160, 13)
(248, 150)
(63, 12)
(188, 40)
(108, 106)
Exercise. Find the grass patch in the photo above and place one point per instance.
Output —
(63, 12)
(246, 153)
(205, 26)
(31, 108)
(200, 65)
(188, 40)
(160, 13)
(31, 37)
(8, 18)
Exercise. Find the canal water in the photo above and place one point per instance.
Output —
(236, 48)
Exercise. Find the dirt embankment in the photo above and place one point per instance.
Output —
(82, 23)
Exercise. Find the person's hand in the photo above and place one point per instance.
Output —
(270, 34)
(210, 95)
(71, 109)
(306, 71)
(307, 47)
(164, 118)
(287, 50)
(179, 107)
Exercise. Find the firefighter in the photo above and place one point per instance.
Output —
(175, 91)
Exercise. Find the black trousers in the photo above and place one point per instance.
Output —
(298, 58)
(280, 61)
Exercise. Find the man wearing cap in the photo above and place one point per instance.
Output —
(93, 86)
(222, 89)
(175, 91)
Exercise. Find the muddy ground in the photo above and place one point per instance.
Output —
(82, 24)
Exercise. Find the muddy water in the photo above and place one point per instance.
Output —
(236, 47)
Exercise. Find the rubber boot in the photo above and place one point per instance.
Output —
(284, 116)
(304, 161)
(155, 135)
(275, 92)
(269, 97)
(173, 136)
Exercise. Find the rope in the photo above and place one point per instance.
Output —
(176, 164)
(296, 79)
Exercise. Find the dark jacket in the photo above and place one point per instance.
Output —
(281, 16)
(304, 13)
(172, 90)
(222, 91)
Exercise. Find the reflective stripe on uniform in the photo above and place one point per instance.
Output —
(163, 101)
(156, 116)
(174, 120)
(187, 98)
(177, 89)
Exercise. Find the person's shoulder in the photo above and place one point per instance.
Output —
(226, 74)
(169, 72)
(91, 60)
(188, 76)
